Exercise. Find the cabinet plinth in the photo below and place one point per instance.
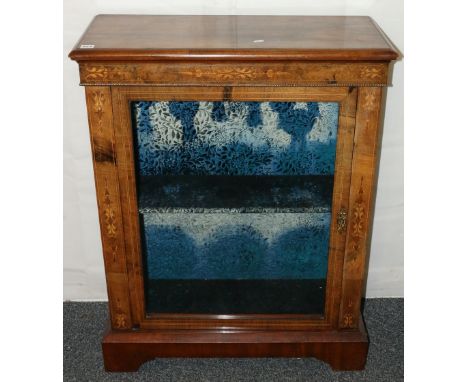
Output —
(342, 350)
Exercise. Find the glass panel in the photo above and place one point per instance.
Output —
(235, 201)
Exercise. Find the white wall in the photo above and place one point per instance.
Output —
(83, 264)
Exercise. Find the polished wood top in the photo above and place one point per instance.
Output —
(154, 38)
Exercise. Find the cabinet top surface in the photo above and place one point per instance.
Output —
(138, 37)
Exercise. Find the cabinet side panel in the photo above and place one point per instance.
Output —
(99, 104)
(126, 172)
(361, 196)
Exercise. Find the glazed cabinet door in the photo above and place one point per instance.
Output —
(234, 203)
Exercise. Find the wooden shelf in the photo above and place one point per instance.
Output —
(235, 193)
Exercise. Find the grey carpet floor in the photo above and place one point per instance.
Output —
(84, 325)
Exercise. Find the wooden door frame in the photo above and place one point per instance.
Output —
(113, 158)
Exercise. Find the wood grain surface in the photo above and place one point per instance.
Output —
(138, 37)
(234, 58)
(127, 350)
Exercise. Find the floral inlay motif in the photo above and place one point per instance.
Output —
(120, 321)
(109, 213)
(226, 74)
(371, 72)
(95, 73)
(348, 320)
(110, 73)
(358, 216)
(369, 101)
(98, 106)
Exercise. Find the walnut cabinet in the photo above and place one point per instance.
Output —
(234, 161)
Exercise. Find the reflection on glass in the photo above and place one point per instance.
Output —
(235, 201)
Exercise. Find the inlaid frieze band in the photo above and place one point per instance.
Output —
(235, 74)
(107, 190)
